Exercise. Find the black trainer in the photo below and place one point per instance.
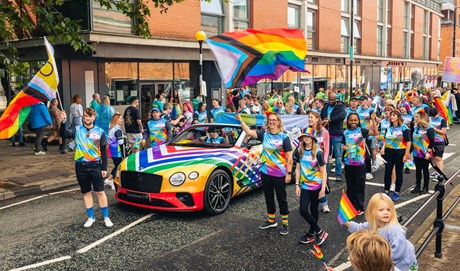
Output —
(424, 191)
(416, 190)
(307, 238)
(284, 230)
(267, 224)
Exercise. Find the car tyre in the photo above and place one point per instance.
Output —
(218, 192)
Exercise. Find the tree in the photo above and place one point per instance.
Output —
(15, 24)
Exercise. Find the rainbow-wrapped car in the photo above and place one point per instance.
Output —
(190, 173)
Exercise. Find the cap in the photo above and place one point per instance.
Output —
(354, 98)
(155, 109)
(308, 131)
(212, 129)
(363, 97)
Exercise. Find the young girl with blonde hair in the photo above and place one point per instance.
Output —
(381, 218)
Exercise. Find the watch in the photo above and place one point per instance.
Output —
(289, 172)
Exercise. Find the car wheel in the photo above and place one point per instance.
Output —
(217, 193)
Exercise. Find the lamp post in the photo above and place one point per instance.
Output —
(200, 36)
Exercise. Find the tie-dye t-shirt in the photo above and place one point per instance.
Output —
(355, 142)
(396, 137)
(157, 131)
(421, 139)
(408, 118)
(384, 125)
(438, 123)
(273, 156)
(88, 144)
(423, 107)
(365, 116)
(310, 173)
(114, 149)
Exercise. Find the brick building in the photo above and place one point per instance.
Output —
(391, 37)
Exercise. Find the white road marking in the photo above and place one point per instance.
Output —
(375, 184)
(35, 265)
(450, 144)
(343, 266)
(110, 236)
(63, 191)
(402, 204)
(21, 202)
(452, 227)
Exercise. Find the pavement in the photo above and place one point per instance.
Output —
(24, 173)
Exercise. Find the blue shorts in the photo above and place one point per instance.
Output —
(89, 174)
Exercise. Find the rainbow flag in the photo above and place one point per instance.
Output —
(444, 112)
(245, 57)
(318, 253)
(346, 210)
(41, 88)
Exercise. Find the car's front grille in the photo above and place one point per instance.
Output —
(142, 182)
(152, 202)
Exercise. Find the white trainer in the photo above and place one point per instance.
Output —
(108, 223)
(89, 222)
(108, 182)
(369, 176)
(325, 209)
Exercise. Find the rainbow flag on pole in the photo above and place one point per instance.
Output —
(318, 254)
(346, 209)
(245, 57)
(41, 88)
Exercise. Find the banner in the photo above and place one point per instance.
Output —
(451, 71)
(289, 121)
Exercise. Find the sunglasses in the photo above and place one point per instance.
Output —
(88, 132)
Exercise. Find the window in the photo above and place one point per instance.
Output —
(293, 16)
(311, 29)
(357, 7)
(425, 48)
(405, 48)
(388, 49)
(406, 14)
(380, 11)
(346, 6)
(240, 15)
(212, 17)
(379, 41)
(356, 38)
(344, 32)
(311, 1)
(425, 22)
(389, 16)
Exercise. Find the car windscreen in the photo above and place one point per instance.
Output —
(216, 136)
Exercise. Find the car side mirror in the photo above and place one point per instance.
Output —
(253, 142)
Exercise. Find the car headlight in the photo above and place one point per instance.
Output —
(193, 175)
(177, 179)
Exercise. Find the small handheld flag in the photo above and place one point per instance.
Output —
(318, 253)
(346, 209)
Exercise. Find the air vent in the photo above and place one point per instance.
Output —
(314, 59)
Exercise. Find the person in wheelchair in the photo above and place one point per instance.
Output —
(214, 137)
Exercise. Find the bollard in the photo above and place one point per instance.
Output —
(439, 222)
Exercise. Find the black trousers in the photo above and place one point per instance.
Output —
(368, 156)
(309, 205)
(272, 185)
(116, 163)
(356, 184)
(421, 166)
(394, 158)
(39, 133)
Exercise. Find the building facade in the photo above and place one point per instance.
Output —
(392, 38)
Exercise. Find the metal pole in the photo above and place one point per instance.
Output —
(201, 71)
(351, 46)
(439, 222)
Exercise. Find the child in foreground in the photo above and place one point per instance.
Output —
(381, 218)
(369, 252)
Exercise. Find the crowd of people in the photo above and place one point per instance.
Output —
(343, 137)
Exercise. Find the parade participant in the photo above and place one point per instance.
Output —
(276, 168)
(39, 118)
(133, 125)
(214, 137)
(104, 114)
(295, 107)
(243, 108)
(158, 128)
(333, 115)
(381, 217)
(321, 94)
(94, 104)
(322, 137)
(311, 181)
(419, 105)
(369, 251)
(201, 115)
(408, 120)
(20, 137)
(365, 113)
(115, 146)
(354, 140)
(256, 107)
(353, 108)
(76, 111)
(265, 106)
(423, 142)
(188, 115)
(55, 114)
(396, 151)
(317, 105)
(278, 107)
(383, 125)
(216, 108)
(176, 103)
(158, 102)
(289, 108)
(440, 132)
(90, 162)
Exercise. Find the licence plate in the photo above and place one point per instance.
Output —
(138, 196)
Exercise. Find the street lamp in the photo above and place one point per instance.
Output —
(200, 36)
